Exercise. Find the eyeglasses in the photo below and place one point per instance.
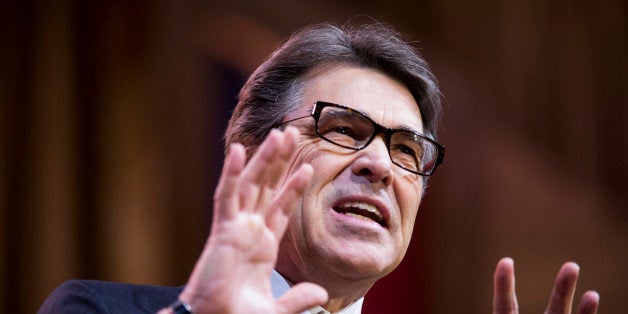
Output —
(354, 130)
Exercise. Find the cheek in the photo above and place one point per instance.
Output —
(410, 202)
(304, 152)
(410, 220)
(325, 160)
(307, 154)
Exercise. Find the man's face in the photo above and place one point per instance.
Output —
(330, 234)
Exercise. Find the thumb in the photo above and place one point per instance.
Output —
(301, 297)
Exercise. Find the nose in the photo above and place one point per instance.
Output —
(373, 162)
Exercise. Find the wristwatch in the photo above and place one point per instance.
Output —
(180, 307)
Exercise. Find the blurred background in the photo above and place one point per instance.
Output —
(111, 141)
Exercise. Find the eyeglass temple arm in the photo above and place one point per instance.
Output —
(299, 113)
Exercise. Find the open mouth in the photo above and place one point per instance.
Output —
(362, 210)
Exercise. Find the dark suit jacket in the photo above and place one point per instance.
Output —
(90, 296)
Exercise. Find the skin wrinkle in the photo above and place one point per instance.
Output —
(309, 139)
(348, 260)
(339, 253)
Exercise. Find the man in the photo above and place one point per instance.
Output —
(328, 154)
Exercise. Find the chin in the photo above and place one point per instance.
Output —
(360, 262)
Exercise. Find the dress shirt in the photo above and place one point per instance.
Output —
(280, 285)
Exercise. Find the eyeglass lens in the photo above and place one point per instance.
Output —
(351, 129)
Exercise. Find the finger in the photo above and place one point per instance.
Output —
(277, 169)
(265, 168)
(225, 196)
(589, 303)
(504, 298)
(253, 176)
(283, 156)
(285, 202)
(564, 289)
(300, 298)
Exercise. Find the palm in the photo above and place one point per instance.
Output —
(250, 217)
(253, 253)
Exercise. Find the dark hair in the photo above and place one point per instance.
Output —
(276, 87)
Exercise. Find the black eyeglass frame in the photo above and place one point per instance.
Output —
(316, 110)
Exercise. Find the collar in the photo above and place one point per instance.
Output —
(280, 285)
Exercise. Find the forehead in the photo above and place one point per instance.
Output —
(384, 99)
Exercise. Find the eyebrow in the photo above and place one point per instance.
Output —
(409, 129)
(346, 113)
(402, 127)
(398, 128)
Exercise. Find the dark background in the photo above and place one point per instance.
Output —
(112, 116)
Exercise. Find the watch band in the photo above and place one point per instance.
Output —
(180, 307)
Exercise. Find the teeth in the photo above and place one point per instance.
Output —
(357, 216)
(364, 206)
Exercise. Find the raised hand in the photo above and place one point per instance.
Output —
(561, 299)
(252, 206)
